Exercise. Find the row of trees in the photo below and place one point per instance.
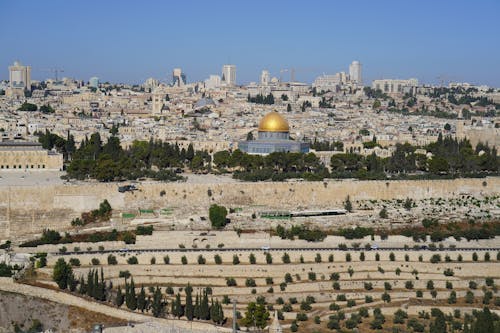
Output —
(261, 99)
(450, 156)
(155, 159)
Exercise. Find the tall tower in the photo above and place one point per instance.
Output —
(178, 77)
(355, 72)
(265, 78)
(20, 76)
(275, 326)
(229, 75)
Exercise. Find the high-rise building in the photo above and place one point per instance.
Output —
(20, 76)
(229, 75)
(178, 77)
(355, 72)
(212, 82)
(265, 78)
(151, 83)
(94, 82)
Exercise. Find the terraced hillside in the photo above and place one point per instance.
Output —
(313, 290)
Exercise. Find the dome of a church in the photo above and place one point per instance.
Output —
(273, 122)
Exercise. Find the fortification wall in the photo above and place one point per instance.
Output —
(30, 209)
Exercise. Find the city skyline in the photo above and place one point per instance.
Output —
(133, 42)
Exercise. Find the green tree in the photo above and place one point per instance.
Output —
(157, 307)
(256, 316)
(217, 215)
(348, 204)
(62, 273)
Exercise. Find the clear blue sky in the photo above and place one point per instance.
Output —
(128, 41)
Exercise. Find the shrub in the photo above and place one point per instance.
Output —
(362, 256)
(386, 297)
(304, 306)
(95, 261)
(236, 260)
(153, 260)
(347, 257)
(112, 260)
(453, 298)
(449, 285)
(132, 260)
(334, 307)
(330, 258)
(430, 285)
(124, 274)
(407, 257)
(419, 294)
(368, 299)
(311, 276)
(201, 260)
(283, 286)
(317, 259)
(249, 282)
(351, 303)
(341, 298)
(368, 285)
(217, 259)
(301, 316)
(489, 281)
(435, 258)
(392, 257)
(472, 285)
(409, 285)
(184, 260)
(166, 260)
(487, 256)
(288, 278)
(474, 256)
(231, 282)
(334, 276)
(269, 258)
(387, 286)
(74, 262)
(377, 257)
(336, 285)
(285, 258)
(398, 271)
(383, 213)
(460, 258)
(448, 272)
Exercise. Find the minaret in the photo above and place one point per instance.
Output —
(275, 325)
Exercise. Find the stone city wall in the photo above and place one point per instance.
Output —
(29, 209)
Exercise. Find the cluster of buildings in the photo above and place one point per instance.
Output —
(216, 114)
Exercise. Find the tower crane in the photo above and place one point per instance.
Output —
(54, 70)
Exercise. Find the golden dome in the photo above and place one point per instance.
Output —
(273, 122)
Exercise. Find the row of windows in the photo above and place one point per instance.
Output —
(20, 166)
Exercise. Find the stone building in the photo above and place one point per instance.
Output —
(274, 136)
(22, 155)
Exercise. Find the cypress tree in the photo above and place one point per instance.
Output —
(102, 287)
(97, 287)
(82, 289)
(204, 307)
(157, 305)
(141, 300)
(196, 311)
(189, 310)
(131, 300)
(119, 297)
(90, 283)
